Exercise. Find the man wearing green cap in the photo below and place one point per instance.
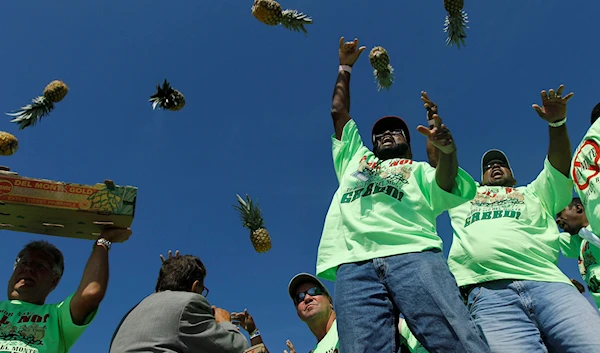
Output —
(379, 242)
(505, 250)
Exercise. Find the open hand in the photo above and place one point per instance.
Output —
(290, 346)
(554, 106)
(244, 320)
(162, 258)
(349, 52)
(439, 136)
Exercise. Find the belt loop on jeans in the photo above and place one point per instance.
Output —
(465, 290)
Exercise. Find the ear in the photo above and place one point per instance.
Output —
(55, 281)
(195, 286)
(578, 208)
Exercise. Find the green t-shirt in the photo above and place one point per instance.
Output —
(510, 233)
(585, 171)
(329, 343)
(32, 328)
(588, 257)
(382, 208)
(414, 346)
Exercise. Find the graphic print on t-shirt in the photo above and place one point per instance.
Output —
(585, 167)
(586, 263)
(488, 204)
(28, 330)
(372, 178)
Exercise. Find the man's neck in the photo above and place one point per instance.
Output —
(320, 329)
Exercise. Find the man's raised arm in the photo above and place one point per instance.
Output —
(340, 106)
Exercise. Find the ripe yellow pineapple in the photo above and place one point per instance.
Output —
(383, 71)
(456, 22)
(8, 144)
(271, 13)
(167, 98)
(40, 106)
(252, 219)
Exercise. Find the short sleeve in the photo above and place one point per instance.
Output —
(69, 330)
(570, 245)
(346, 148)
(440, 200)
(553, 188)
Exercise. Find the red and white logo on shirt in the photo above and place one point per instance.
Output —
(585, 164)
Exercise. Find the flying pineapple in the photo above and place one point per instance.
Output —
(40, 106)
(167, 98)
(383, 71)
(253, 220)
(8, 144)
(271, 13)
(456, 22)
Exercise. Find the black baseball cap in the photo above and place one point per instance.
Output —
(491, 156)
(390, 123)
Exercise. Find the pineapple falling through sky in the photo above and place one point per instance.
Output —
(252, 219)
(8, 144)
(40, 106)
(271, 13)
(456, 22)
(167, 98)
(383, 71)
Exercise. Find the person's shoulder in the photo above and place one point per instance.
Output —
(175, 295)
(170, 299)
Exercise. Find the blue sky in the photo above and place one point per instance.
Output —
(257, 121)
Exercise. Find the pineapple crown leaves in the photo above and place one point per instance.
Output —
(163, 94)
(295, 21)
(385, 78)
(30, 114)
(250, 213)
(455, 26)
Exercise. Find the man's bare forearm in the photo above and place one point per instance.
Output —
(340, 106)
(433, 154)
(559, 150)
(446, 171)
(92, 287)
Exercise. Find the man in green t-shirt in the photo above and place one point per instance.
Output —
(505, 250)
(574, 221)
(585, 169)
(379, 242)
(27, 323)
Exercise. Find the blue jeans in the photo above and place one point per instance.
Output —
(369, 294)
(532, 317)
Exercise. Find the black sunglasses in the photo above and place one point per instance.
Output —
(312, 291)
(493, 163)
(392, 132)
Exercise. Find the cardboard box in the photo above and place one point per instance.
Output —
(259, 348)
(63, 209)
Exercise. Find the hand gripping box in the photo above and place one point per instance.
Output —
(63, 209)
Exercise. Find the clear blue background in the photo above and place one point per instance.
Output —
(257, 121)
